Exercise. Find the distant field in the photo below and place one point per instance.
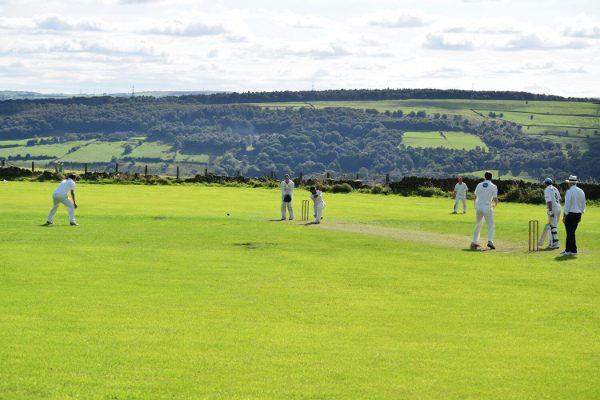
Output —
(152, 150)
(550, 120)
(497, 175)
(579, 119)
(92, 151)
(199, 292)
(565, 141)
(192, 158)
(450, 140)
(52, 150)
(96, 152)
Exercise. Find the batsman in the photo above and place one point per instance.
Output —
(552, 197)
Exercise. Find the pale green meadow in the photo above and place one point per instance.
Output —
(168, 292)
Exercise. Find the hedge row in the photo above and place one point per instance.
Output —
(508, 190)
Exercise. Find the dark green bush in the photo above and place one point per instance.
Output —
(377, 189)
(429, 191)
(518, 194)
(341, 188)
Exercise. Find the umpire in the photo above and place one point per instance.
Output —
(574, 207)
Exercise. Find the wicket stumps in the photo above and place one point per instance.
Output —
(305, 208)
(534, 234)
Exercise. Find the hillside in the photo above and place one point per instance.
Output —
(371, 138)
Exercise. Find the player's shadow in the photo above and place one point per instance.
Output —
(59, 226)
(477, 250)
(310, 223)
(561, 258)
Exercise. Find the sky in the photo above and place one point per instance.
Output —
(109, 46)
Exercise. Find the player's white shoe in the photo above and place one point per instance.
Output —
(568, 253)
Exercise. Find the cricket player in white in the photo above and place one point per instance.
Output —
(287, 190)
(486, 199)
(552, 197)
(460, 194)
(61, 195)
(319, 203)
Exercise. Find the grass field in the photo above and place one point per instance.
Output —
(160, 294)
(52, 150)
(153, 150)
(449, 140)
(497, 175)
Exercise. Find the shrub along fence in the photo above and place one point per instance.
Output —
(508, 190)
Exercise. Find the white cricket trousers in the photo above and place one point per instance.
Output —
(464, 203)
(488, 214)
(67, 203)
(318, 213)
(289, 208)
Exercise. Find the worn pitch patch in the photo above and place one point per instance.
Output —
(461, 242)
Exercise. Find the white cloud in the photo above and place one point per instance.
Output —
(592, 32)
(554, 67)
(481, 1)
(184, 44)
(302, 21)
(534, 42)
(547, 67)
(401, 21)
(486, 30)
(317, 52)
(61, 23)
(439, 42)
(139, 1)
(444, 72)
(109, 49)
(187, 28)
(14, 69)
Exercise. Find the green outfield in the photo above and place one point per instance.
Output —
(200, 292)
(449, 140)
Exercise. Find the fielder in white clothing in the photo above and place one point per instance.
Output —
(287, 190)
(319, 203)
(460, 194)
(552, 197)
(486, 199)
(61, 195)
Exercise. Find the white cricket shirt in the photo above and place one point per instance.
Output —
(287, 188)
(551, 194)
(64, 188)
(485, 192)
(461, 190)
(574, 201)
(318, 199)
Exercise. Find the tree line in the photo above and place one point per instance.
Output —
(252, 140)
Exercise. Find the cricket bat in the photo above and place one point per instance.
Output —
(547, 228)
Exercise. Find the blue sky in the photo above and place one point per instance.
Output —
(102, 46)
